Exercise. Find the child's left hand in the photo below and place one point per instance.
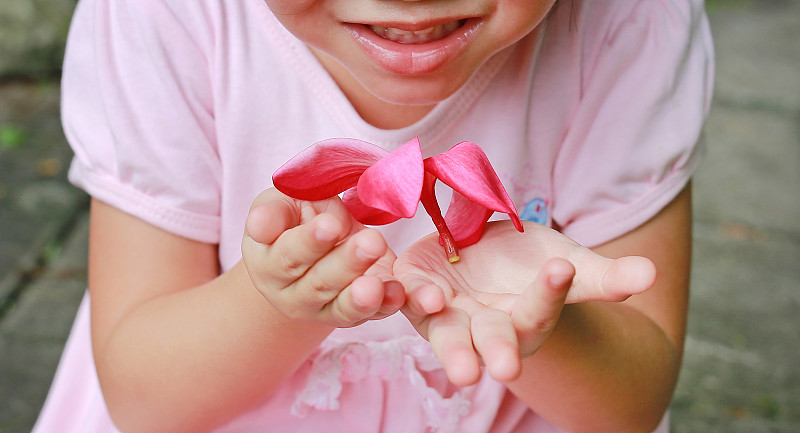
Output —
(501, 301)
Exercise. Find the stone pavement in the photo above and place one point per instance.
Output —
(742, 366)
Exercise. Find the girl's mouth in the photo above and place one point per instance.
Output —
(426, 35)
(409, 49)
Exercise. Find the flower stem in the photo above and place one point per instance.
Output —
(445, 237)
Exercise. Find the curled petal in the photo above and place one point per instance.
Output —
(394, 183)
(466, 220)
(363, 213)
(467, 170)
(326, 168)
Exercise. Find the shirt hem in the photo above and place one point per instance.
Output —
(608, 226)
(202, 228)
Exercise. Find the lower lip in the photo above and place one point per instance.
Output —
(413, 59)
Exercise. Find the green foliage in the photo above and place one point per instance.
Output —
(12, 137)
(766, 406)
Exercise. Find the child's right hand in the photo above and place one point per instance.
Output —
(314, 262)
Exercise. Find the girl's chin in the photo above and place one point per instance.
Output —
(414, 91)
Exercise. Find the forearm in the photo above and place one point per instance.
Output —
(606, 368)
(190, 360)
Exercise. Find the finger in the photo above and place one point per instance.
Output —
(267, 220)
(375, 295)
(599, 278)
(273, 212)
(628, 276)
(495, 339)
(451, 341)
(358, 302)
(298, 249)
(423, 297)
(536, 312)
(337, 270)
(394, 295)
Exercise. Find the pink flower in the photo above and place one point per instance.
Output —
(477, 193)
(381, 187)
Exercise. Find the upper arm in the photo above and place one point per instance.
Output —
(131, 262)
(666, 239)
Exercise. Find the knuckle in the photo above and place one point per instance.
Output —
(543, 326)
(345, 314)
(337, 314)
(341, 315)
(291, 265)
(318, 289)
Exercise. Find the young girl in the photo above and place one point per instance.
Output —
(180, 111)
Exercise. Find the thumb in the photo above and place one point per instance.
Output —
(267, 220)
(599, 278)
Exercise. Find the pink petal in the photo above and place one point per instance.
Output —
(467, 170)
(394, 183)
(466, 220)
(363, 213)
(326, 168)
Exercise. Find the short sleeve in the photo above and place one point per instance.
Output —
(138, 113)
(634, 139)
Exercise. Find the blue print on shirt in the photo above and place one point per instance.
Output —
(535, 211)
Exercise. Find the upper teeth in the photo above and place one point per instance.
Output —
(417, 36)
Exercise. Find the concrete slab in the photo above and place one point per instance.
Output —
(757, 52)
(25, 375)
(741, 369)
(751, 171)
(34, 331)
(47, 307)
(36, 202)
(741, 365)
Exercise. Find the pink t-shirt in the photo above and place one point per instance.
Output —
(179, 111)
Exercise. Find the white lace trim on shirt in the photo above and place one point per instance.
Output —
(403, 357)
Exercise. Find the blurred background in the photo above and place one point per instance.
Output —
(741, 370)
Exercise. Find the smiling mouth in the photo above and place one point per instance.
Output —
(414, 49)
(430, 34)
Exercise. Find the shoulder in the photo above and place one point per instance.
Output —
(142, 20)
(597, 22)
(206, 29)
(202, 19)
(616, 12)
(590, 33)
